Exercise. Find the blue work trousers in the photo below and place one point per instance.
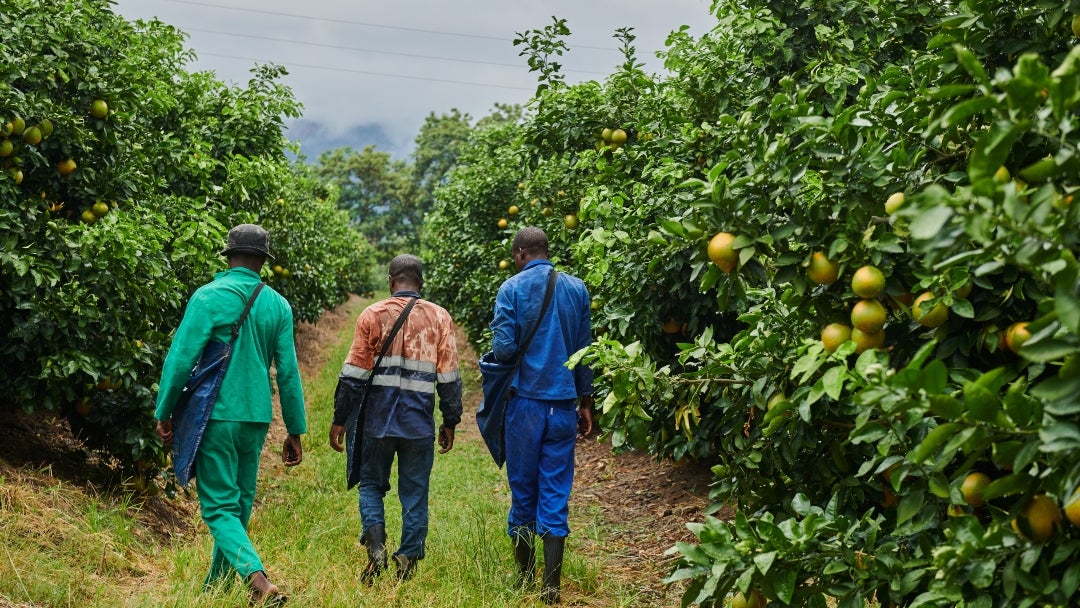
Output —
(540, 439)
(415, 458)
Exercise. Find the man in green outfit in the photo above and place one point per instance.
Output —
(227, 462)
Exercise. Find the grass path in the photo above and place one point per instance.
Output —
(306, 525)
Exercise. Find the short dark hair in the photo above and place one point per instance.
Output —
(407, 267)
(531, 240)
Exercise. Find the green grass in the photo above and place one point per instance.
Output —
(64, 548)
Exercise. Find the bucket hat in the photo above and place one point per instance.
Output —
(248, 238)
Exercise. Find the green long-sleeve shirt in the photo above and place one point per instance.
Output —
(266, 337)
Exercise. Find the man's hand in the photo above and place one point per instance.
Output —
(585, 416)
(164, 431)
(292, 452)
(446, 439)
(337, 437)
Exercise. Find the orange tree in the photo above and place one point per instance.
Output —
(121, 173)
(795, 128)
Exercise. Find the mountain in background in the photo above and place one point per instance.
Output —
(316, 137)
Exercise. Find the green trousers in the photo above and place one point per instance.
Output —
(227, 468)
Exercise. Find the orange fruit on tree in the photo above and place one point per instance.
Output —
(868, 282)
(776, 399)
(834, 335)
(17, 125)
(868, 315)
(32, 136)
(929, 316)
(547, 212)
(65, 167)
(16, 175)
(82, 407)
(894, 202)
(100, 208)
(618, 137)
(822, 270)
(965, 290)
(1072, 508)
(513, 210)
(6, 148)
(671, 326)
(865, 341)
(721, 251)
(1039, 520)
(504, 264)
(46, 127)
(1016, 335)
(1002, 175)
(972, 488)
(756, 600)
(99, 108)
(570, 221)
(503, 223)
(88, 217)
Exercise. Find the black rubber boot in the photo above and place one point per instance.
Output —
(406, 566)
(525, 556)
(553, 558)
(375, 540)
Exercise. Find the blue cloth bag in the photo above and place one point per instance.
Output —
(196, 403)
(491, 415)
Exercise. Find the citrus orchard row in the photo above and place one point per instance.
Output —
(123, 172)
(818, 269)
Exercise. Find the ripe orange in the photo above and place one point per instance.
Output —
(965, 290)
(513, 210)
(1039, 520)
(1072, 509)
(929, 317)
(721, 252)
(972, 488)
(547, 212)
(100, 208)
(894, 202)
(570, 221)
(82, 407)
(671, 326)
(866, 340)
(17, 125)
(822, 270)
(503, 223)
(65, 167)
(88, 217)
(606, 134)
(16, 175)
(6, 148)
(46, 127)
(1016, 335)
(98, 108)
(868, 315)
(868, 282)
(277, 270)
(504, 264)
(618, 137)
(834, 335)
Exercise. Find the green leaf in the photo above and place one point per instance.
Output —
(993, 148)
(972, 65)
(1049, 350)
(833, 381)
(930, 222)
(1006, 486)
(946, 406)
(982, 404)
(933, 440)
(764, 561)
(1059, 437)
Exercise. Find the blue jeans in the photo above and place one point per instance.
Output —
(540, 440)
(415, 458)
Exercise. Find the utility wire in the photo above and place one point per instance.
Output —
(363, 23)
(369, 73)
(362, 50)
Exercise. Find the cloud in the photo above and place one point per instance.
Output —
(371, 72)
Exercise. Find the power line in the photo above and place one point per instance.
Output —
(369, 73)
(362, 23)
(362, 50)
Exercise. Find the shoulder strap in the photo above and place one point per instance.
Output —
(393, 332)
(243, 315)
(543, 309)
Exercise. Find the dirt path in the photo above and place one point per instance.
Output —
(644, 504)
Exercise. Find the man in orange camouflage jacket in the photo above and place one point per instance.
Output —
(398, 418)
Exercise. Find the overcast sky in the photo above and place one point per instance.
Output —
(370, 72)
